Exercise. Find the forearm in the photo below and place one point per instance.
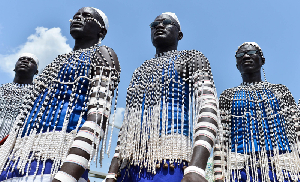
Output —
(207, 123)
(82, 149)
(218, 162)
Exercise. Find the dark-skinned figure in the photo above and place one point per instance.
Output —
(171, 116)
(13, 94)
(260, 122)
(59, 130)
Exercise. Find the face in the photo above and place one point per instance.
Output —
(26, 65)
(165, 34)
(249, 63)
(79, 27)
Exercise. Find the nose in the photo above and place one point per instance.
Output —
(246, 55)
(160, 25)
(26, 60)
(78, 17)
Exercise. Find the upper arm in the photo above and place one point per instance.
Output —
(109, 58)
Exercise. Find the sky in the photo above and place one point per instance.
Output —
(216, 28)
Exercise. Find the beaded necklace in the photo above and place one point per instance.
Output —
(161, 109)
(259, 122)
(57, 108)
(11, 98)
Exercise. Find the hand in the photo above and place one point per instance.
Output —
(193, 177)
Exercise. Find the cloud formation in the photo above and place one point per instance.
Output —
(45, 43)
(119, 117)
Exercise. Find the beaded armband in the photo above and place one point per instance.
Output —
(111, 176)
(206, 125)
(88, 135)
(83, 145)
(209, 115)
(94, 126)
(64, 177)
(79, 160)
(194, 169)
(203, 143)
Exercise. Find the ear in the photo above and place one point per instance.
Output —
(263, 61)
(180, 35)
(102, 33)
(37, 71)
(237, 67)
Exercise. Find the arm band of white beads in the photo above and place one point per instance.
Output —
(77, 159)
(88, 135)
(217, 169)
(111, 176)
(211, 106)
(92, 125)
(83, 146)
(194, 169)
(206, 133)
(209, 115)
(98, 111)
(64, 177)
(203, 143)
(220, 177)
(206, 125)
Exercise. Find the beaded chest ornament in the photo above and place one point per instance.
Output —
(259, 123)
(11, 98)
(163, 110)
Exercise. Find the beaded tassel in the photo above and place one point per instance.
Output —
(57, 107)
(259, 123)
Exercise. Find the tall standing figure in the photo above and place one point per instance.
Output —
(13, 94)
(260, 123)
(62, 122)
(171, 116)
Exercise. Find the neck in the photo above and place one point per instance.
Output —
(84, 43)
(160, 50)
(251, 77)
(23, 79)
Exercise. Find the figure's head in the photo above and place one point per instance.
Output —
(165, 30)
(89, 22)
(249, 58)
(27, 65)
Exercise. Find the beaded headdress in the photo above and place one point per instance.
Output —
(173, 15)
(103, 16)
(34, 57)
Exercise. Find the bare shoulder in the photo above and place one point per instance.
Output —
(108, 54)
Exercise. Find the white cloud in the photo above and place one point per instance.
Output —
(119, 117)
(46, 44)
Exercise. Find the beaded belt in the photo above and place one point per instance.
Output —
(46, 145)
(175, 146)
(287, 161)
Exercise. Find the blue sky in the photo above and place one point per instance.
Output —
(216, 28)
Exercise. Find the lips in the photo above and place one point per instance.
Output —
(248, 62)
(23, 66)
(159, 32)
(76, 24)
